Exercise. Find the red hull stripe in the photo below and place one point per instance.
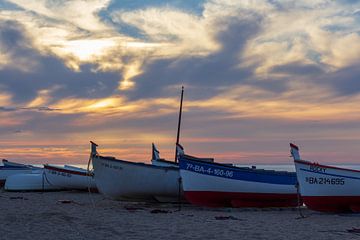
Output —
(333, 203)
(325, 166)
(65, 170)
(2, 183)
(236, 199)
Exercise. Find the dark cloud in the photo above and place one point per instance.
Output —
(298, 68)
(42, 109)
(7, 109)
(48, 72)
(344, 81)
(205, 74)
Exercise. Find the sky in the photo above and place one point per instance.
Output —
(257, 75)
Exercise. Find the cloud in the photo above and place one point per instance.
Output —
(308, 32)
(7, 109)
(50, 75)
(217, 69)
(15, 49)
(255, 72)
(297, 68)
(180, 30)
(344, 82)
(80, 13)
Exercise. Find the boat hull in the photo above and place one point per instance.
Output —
(12, 168)
(69, 178)
(238, 199)
(217, 185)
(328, 189)
(28, 182)
(123, 180)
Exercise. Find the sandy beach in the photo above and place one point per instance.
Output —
(78, 215)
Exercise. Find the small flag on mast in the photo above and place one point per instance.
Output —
(155, 153)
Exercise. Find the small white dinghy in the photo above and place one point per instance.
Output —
(69, 177)
(12, 168)
(125, 180)
(34, 181)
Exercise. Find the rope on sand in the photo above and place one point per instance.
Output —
(89, 181)
(179, 195)
(299, 200)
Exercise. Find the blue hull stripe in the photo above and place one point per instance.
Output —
(246, 174)
(329, 174)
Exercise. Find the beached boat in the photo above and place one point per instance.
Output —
(327, 188)
(69, 177)
(126, 180)
(12, 168)
(35, 181)
(210, 184)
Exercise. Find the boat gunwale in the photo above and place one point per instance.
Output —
(61, 169)
(113, 159)
(244, 169)
(325, 166)
(165, 161)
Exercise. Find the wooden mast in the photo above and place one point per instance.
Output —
(179, 122)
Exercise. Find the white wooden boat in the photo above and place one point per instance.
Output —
(126, 180)
(69, 177)
(12, 168)
(327, 188)
(210, 184)
(35, 181)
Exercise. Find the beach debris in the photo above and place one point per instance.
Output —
(66, 201)
(155, 211)
(226, 218)
(133, 209)
(353, 230)
(14, 198)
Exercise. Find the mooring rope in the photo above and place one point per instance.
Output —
(299, 200)
(179, 194)
(89, 180)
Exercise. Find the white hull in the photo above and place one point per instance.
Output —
(28, 182)
(328, 189)
(12, 168)
(69, 177)
(4, 174)
(321, 180)
(123, 180)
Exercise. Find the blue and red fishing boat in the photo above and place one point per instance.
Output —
(211, 184)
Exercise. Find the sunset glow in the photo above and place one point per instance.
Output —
(257, 75)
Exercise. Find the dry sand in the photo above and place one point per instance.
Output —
(42, 216)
